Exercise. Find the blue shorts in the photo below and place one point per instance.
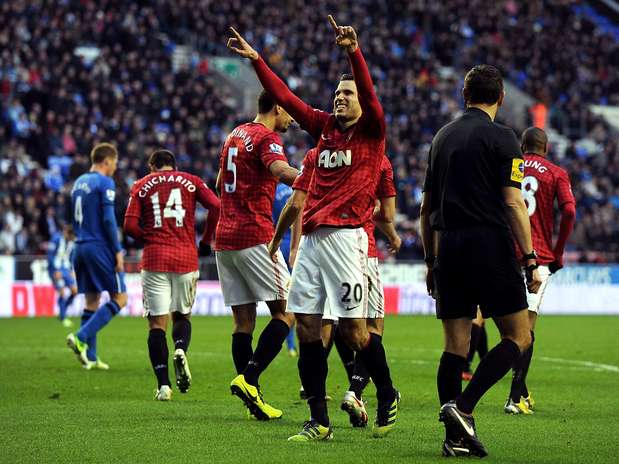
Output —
(66, 281)
(95, 270)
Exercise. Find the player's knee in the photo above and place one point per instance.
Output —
(288, 318)
(523, 340)
(355, 338)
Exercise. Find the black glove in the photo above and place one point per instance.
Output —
(204, 249)
(555, 266)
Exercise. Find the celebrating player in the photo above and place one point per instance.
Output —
(60, 270)
(98, 258)
(543, 182)
(161, 213)
(252, 161)
(332, 260)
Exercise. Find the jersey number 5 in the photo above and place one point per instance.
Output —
(173, 208)
(529, 188)
(232, 152)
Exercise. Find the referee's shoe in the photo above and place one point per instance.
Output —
(461, 428)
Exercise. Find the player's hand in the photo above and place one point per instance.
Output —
(345, 36)
(120, 262)
(57, 275)
(204, 249)
(555, 266)
(240, 46)
(394, 244)
(273, 247)
(430, 281)
(534, 281)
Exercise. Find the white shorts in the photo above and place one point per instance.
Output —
(168, 292)
(535, 299)
(331, 265)
(376, 294)
(250, 275)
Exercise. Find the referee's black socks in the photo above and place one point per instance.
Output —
(374, 358)
(158, 352)
(313, 370)
(449, 376)
(269, 344)
(491, 369)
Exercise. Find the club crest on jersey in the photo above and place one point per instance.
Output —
(110, 194)
(334, 159)
(517, 170)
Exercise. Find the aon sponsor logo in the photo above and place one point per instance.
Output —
(334, 159)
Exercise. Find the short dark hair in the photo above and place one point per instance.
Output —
(534, 140)
(483, 84)
(265, 102)
(347, 77)
(161, 158)
(102, 151)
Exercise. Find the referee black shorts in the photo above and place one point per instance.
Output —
(478, 266)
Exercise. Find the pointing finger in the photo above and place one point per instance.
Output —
(236, 34)
(333, 24)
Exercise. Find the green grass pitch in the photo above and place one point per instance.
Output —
(52, 411)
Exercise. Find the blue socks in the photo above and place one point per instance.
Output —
(98, 320)
(290, 341)
(62, 307)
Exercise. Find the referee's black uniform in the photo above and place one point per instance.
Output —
(471, 160)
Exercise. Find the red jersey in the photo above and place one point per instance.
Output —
(247, 187)
(543, 182)
(384, 189)
(161, 212)
(342, 191)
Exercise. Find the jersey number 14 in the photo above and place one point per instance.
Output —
(173, 208)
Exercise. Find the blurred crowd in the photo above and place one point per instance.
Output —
(76, 72)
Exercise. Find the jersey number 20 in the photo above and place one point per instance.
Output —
(173, 208)
(529, 188)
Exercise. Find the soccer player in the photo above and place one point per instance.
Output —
(543, 183)
(252, 161)
(60, 270)
(161, 214)
(98, 258)
(479, 344)
(282, 194)
(332, 259)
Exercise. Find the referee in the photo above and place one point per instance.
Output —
(471, 200)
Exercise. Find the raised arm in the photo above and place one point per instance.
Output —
(309, 118)
(346, 37)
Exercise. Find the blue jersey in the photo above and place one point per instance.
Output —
(282, 194)
(94, 221)
(59, 254)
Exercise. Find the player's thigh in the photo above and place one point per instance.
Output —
(342, 256)
(184, 288)
(376, 292)
(327, 331)
(534, 300)
(376, 326)
(307, 293)
(455, 290)
(235, 290)
(309, 327)
(267, 277)
(156, 293)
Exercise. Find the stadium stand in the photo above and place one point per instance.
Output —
(72, 74)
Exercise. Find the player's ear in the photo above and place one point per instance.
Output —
(501, 98)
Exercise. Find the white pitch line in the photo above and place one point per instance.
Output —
(588, 364)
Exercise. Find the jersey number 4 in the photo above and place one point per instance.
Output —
(529, 188)
(78, 215)
(173, 208)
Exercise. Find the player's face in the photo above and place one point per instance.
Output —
(283, 120)
(346, 102)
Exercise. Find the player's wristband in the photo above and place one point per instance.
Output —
(528, 271)
(527, 257)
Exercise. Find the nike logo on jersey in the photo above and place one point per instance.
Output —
(334, 159)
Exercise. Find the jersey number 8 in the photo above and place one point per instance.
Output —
(529, 188)
(173, 208)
